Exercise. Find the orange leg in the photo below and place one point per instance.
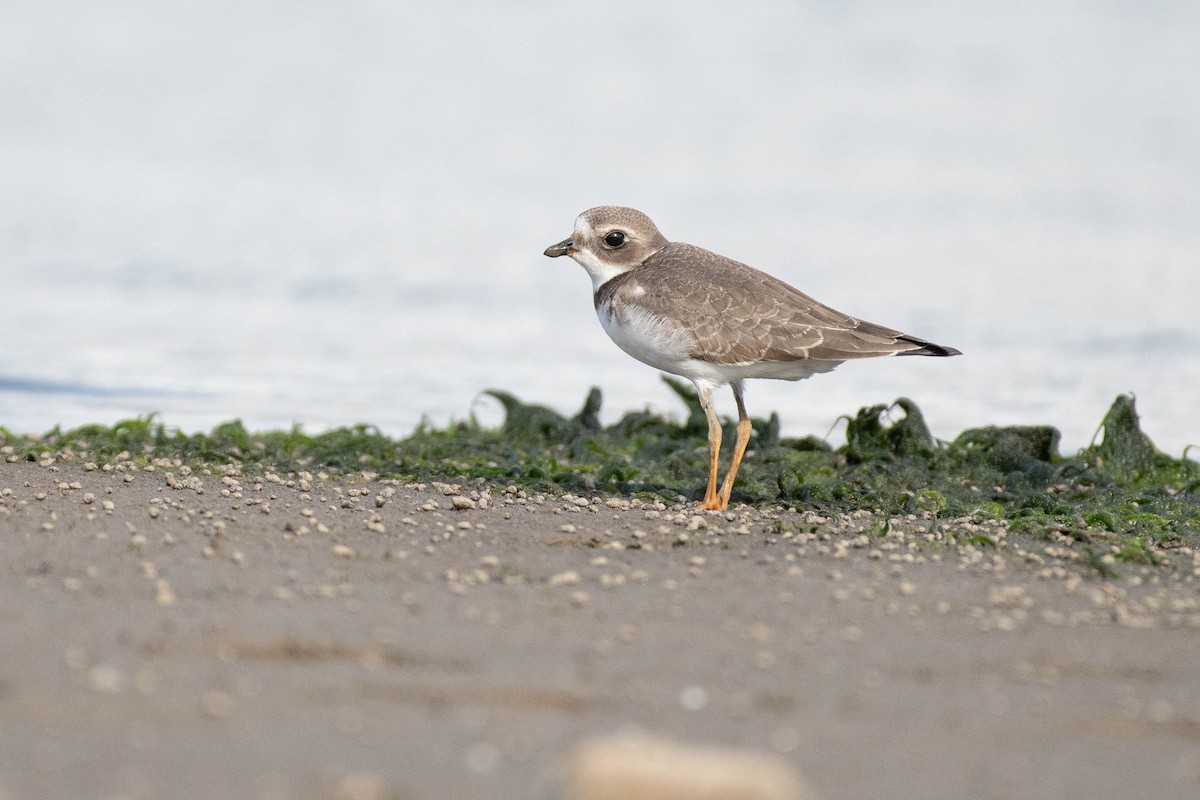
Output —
(714, 450)
(714, 445)
(739, 449)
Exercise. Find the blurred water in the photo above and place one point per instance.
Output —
(295, 212)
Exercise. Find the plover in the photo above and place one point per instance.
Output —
(713, 320)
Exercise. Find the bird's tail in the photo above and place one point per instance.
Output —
(924, 348)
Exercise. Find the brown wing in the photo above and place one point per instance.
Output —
(740, 315)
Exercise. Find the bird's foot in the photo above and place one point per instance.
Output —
(714, 505)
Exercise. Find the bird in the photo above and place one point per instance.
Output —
(715, 321)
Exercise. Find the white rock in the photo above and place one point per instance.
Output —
(640, 767)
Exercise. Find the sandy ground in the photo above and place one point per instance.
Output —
(167, 636)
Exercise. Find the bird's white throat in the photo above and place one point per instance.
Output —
(599, 270)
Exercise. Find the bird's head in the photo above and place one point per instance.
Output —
(610, 240)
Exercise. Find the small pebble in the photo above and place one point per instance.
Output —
(568, 578)
(106, 679)
(163, 594)
(693, 698)
(217, 704)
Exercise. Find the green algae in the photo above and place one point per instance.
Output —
(891, 463)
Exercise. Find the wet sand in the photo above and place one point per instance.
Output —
(173, 636)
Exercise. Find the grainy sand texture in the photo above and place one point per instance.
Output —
(176, 635)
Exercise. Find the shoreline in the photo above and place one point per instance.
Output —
(275, 634)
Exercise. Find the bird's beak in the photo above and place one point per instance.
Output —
(563, 248)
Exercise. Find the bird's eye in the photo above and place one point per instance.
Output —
(615, 239)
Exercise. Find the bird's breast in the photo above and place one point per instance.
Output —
(649, 338)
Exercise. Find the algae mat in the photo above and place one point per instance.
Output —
(890, 463)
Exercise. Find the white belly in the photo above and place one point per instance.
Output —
(648, 338)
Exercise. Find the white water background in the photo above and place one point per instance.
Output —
(328, 214)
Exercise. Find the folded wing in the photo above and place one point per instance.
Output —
(740, 315)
